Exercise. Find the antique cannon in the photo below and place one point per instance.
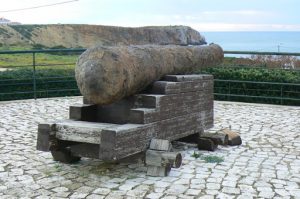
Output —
(107, 74)
(134, 96)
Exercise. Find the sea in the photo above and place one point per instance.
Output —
(256, 41)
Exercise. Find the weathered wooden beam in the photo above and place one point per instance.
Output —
(83, 112)
(158, 171)
(80, 131)
(185, 103)
(169, 117)
(234, 138)
(160, 145)
(163, 158)
(64, 156)
(60, 150)
(107, 151)
(85, 150)
(206, 144)
(46, 132)
(218, 138)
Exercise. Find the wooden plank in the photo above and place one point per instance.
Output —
(158, 171)
(146, 115)
(234, 138)
(46, 131)
(107, 150)
(116, 113)
(187, 78)
(132, 139)
(163, 158)
(165, 87)
(81, 131)
(83, 112)
(206, 144)
(160, 144)
(85, 150)
(218, 138)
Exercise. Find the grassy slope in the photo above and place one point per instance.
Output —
(25, 60)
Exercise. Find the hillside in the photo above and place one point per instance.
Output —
(72, 36)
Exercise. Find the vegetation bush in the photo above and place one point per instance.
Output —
(243, 84)
(264, 61)
(25, 30)
(55, 77)
(18, 83)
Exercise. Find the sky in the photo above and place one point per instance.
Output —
(202, 15)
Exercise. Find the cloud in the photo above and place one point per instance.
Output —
(248, 13)
(244, 27)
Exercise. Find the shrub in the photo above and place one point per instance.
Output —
(262, 92)
(18, 83)
(264, 61)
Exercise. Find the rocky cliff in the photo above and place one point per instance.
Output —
(72, 36)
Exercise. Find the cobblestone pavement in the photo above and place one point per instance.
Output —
(267, 165)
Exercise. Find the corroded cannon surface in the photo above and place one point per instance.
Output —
(107, 74)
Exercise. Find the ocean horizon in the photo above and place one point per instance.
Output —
(271, 41)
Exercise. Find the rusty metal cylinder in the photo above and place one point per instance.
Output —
(107, 74)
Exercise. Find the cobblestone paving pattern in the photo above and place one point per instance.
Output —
(267, 165)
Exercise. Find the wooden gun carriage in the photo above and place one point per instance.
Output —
(170, 108)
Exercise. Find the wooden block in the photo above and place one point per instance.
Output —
(206, 144)
(171, 106)
(64, 156)
(190, 138)
(234, 138)
(137, 115)
(187, 78)
(46, 132)
(81, 131)
(217, 138)
(158, 171)
(61, 152)
(85, 150)
(107, 146)
(235, 141)
(146, 100)
(175, 85)
(162, 158)
(160, 144)
(83, 112)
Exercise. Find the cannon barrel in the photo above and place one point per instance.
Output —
(107, 74)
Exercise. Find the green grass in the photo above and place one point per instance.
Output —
(56, 72)
(208, 158)
(25, 60)
(268, 93)
(55, 75)
(196, 155)
(212, 159)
